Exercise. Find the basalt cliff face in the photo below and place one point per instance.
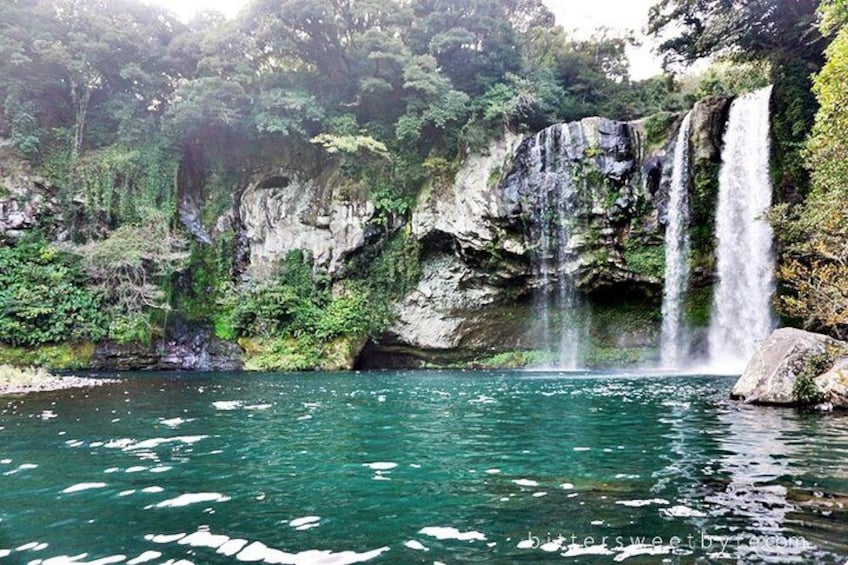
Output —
(484, 260)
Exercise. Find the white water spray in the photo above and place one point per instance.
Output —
(742, 314)
(675, 337)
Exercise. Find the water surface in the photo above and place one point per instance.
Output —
(418, 467)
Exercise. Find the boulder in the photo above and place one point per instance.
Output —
(833, 385)
(709, 117)
(779, 368)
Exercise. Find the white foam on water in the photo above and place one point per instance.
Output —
(597, 522)
(576, 550)
(416, 545)
(83, 486)
(552, 545)
(582, 449)
(60, 559)
(27, 546)
(640, 503)
(111, 470)
(107, 560)
(228, 404)
(161, 469)
(566, 486)
(539, 494)
(144, 558)
(493, 471)
(6, 461)
(24, 467)
(380, 466)
(298, 522)
(5, 553)
(155, 442)
(445, 533)
(173, 422)
(482, 399)
(525, 483)
(164, 538)
(152, 490)
(232, 547)
(203, 538)
(682, 512)
(135, 469)
(48, 415)
(74, 443)
(126, 492)
(192, 498)
(258, 407)
(117, 443)
(641, 549)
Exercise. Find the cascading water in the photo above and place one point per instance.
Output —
(675, 338)
(550, 178)
(742, 315)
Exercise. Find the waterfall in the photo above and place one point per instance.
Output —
(742, 315)
(675, 339)
(553, 157)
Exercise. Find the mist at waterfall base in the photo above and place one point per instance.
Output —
(413, 467)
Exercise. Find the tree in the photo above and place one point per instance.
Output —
(748, 29)
(816, 234)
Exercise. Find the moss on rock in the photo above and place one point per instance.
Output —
(64, 356)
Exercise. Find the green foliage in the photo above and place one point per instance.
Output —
(43, 298)
(793, 108)
(732, 78)
(644, 259)
(697, 306)
(295, 303)
(702, 204)
(749, 29)
(513, 360)
(804, 389)
(658, 127)
(129, 270)
(814, 268)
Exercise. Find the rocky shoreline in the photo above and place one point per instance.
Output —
(24, 381)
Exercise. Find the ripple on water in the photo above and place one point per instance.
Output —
(83, 486)
(448, 533)
(192, 498)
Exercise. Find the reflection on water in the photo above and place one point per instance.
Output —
(418, 468)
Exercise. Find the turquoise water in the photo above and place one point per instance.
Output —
(418, 467)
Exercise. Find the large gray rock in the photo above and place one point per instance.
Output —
(772, 373)
(833, 385)
(709, 117)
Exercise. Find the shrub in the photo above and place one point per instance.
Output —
(43, 297)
